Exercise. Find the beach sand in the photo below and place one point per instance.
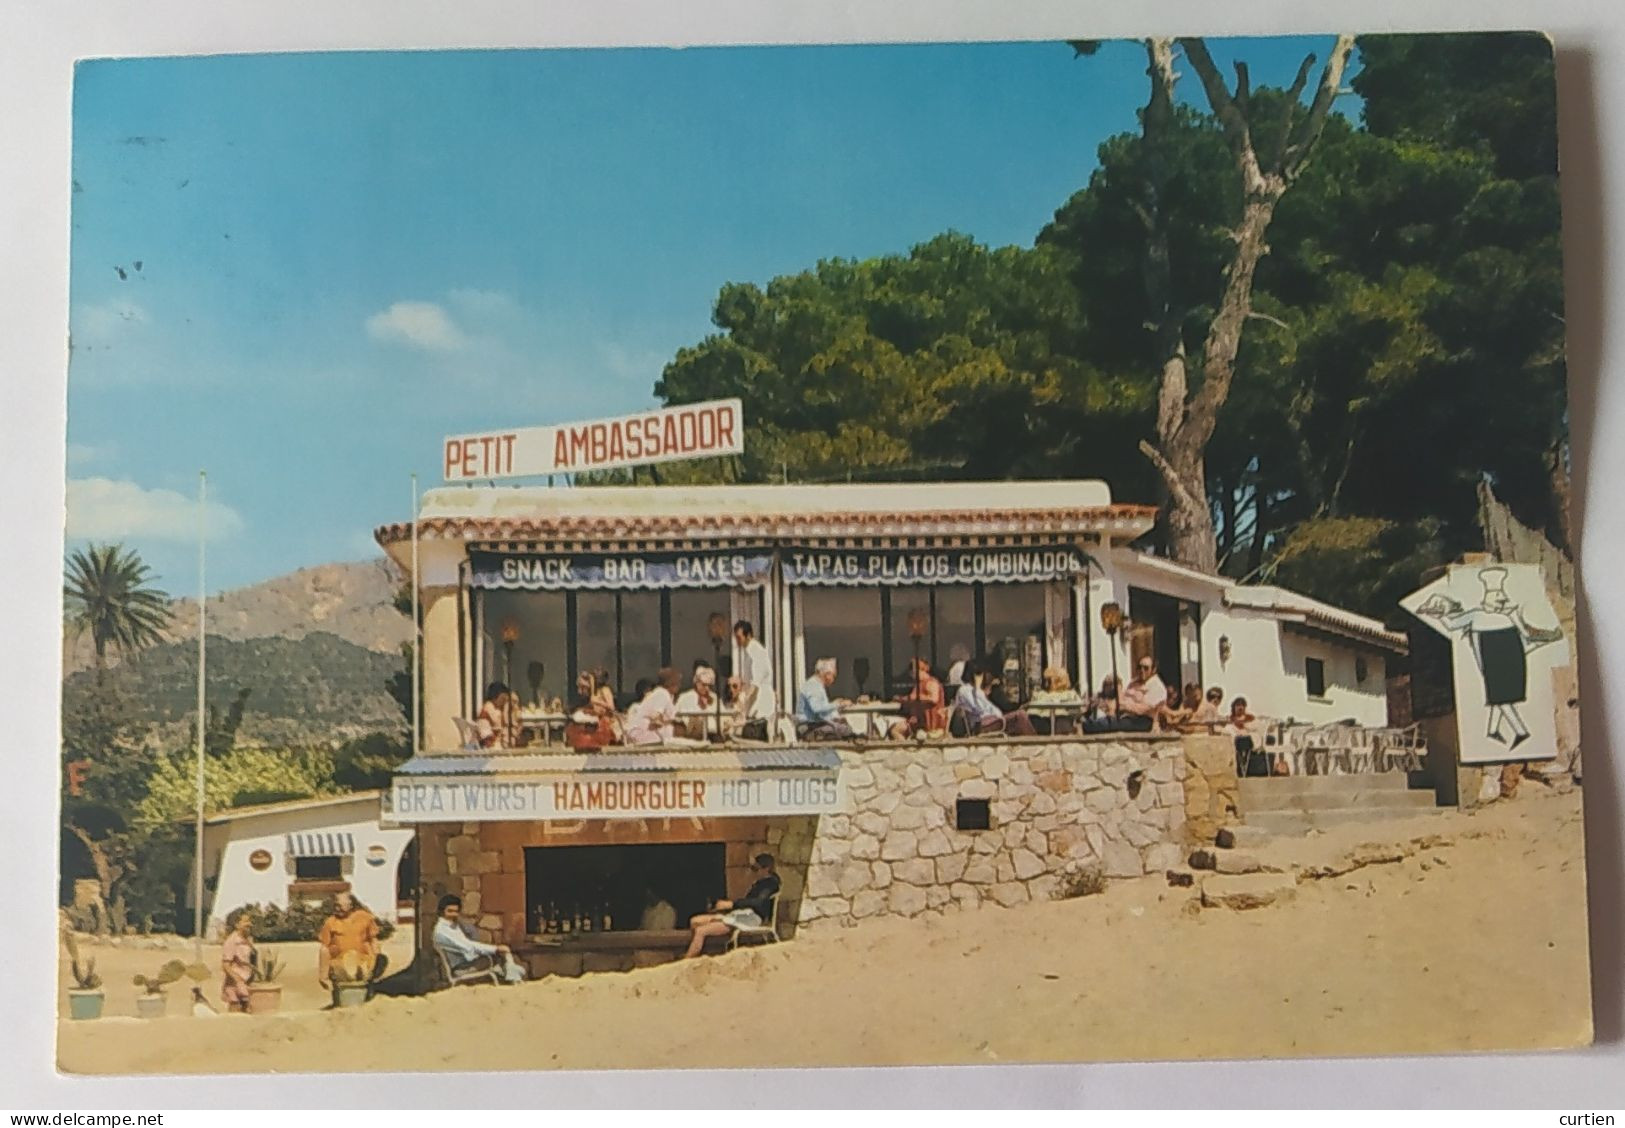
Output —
(1446, 933)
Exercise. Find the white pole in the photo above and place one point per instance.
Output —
(417, 634)
(202, 600)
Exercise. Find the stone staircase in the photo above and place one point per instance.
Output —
(1299, 804)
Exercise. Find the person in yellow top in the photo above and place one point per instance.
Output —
(349, 937)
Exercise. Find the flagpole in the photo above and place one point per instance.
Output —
(417, 633)
(202, 602)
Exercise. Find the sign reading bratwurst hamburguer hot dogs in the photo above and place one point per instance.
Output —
(614, 796)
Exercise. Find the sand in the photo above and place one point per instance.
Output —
(1449, 932)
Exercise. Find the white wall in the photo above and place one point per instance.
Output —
(1266, 663)
(227, 847)
(1267, 668)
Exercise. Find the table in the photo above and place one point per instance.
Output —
(707, 719)
(545, 723)
(864, 716)
(1052, 709)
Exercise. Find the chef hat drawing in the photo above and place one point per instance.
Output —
(1495, 584)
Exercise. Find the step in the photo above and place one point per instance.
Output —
(1304, 784)
(1298, 823)
(1247, 891)
(1351, 800)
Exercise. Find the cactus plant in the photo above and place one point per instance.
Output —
(169, 973)
(268, 967)
(85, 977)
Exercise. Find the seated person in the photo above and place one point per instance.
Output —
(589, 727)
(1250, 759)
(1003, 685)
(958, 658)
(463, 952)
(701, 698)
(980, 714)
(1175, 716)
(817, 717)
(658, 915)
(1142, 699)
(1100, 714)
(498, 722)
(925, 705)
(1057, 691)
(1210, 713)
(652, 719)
(749, 911)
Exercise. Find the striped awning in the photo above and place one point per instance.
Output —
(321, 845)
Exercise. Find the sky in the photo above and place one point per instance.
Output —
(301, 272)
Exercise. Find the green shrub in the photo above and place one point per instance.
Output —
(273, 924)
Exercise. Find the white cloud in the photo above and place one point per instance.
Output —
(105, 509)
(420, 325)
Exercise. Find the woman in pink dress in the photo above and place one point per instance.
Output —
(237, 961)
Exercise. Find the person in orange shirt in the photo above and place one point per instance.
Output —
(349, 929)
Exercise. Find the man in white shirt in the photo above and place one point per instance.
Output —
(755, 667)
(1142, 698)
(462, 950)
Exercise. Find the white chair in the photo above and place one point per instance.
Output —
(767, 932)
(469, 733)
(472, 973)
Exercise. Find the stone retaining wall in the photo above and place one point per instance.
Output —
(1058, 809)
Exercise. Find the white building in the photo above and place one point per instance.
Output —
(306, 850)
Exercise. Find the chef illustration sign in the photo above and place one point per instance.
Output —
(1507, 641)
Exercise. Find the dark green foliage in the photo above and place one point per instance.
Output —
(314, 688)
(364, 763)
(296, 922)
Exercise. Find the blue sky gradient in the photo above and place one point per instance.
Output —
(345, 257)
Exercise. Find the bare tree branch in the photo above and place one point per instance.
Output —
(1231, 118)
(1170, 476)
(1296, 153)
(1254, 315)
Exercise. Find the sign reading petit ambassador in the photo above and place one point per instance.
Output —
(692, 430)
(621, 796)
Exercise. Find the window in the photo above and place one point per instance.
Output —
(543, 639)
(1314, 672)
(973, 814)
(691, 612)
(325, 868)
(1013, 627)
(844, 624)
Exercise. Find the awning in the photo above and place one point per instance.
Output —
(598, 571)
(913, 566)
(325, 845)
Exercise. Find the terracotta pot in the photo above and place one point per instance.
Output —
(149, 1005)
(85, 1004)
(264, 998)
(350, 994)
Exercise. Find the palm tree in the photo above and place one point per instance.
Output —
(108, 593)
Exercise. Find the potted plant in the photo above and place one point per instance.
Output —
(85, 997)
(152, 1000)
(351, 982)
(264, 992)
